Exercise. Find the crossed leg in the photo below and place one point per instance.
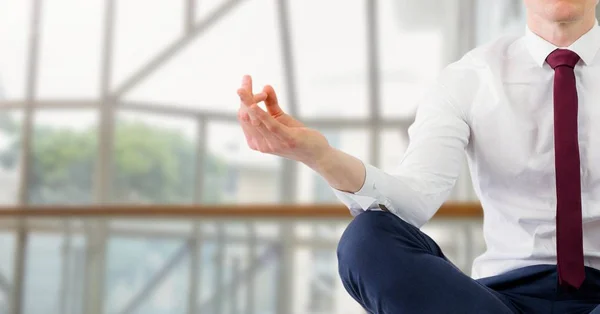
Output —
(390, 267)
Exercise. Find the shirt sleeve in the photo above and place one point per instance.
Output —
(428, 171)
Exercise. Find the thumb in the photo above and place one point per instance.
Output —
(271, 102)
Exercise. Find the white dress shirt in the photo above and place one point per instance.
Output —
(496, 104)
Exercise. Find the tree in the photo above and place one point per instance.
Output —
(151, 164)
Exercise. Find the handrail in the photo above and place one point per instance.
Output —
(448, 210)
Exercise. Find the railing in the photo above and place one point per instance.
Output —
(448, 210)
(191, 259)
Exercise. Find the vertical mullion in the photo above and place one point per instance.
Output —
(289, 171)
(65, 268)
(373, 82)
(251, 281)
(195, 266)
(286, 267)
(217, 305)
(16, 302)
(190, 10)
(95, 261)
(201, 141)
(106, 128)
(236, 272)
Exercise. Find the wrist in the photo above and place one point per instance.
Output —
(323, 159)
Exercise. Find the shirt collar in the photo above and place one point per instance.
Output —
(586, 46)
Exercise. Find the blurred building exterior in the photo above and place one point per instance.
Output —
(133, 101)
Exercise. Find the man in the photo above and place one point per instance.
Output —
(527, 112)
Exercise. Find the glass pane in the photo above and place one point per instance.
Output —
(206, 73)
(10, 156)
(312, 188)
(54, 273)
(132, 263)
(393, 144)
(412, 51)
(265, 281)
(171, 295)
(330, 57)
(496, 18)
(15, 18)
(172, 227)
(316, 281)
(63, 156)
(204, 8)
(7, 247)
(70, 48)
(233, 173)
(143, 29)
(155, 159)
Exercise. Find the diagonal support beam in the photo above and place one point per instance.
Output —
(257, 264)
(5, 286)
(159, 277)
(172, 49)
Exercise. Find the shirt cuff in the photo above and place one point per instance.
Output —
(368, 188)
(365, 198)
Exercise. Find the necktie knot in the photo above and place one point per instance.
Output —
(562, 57)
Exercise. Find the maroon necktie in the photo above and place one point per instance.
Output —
(569, 233)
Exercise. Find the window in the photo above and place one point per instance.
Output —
(168, 125)
(63, 156)
(154, 158)
(10, 156)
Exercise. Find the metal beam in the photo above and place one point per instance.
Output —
(195, 264)
(208, 115)
(95, 262)
(65, 268)
(373, 81)
(217, 306)
(289, 170)
(50, 104)
(158, 277)
(285, 269)
(78, 285)
(16, 298)
(5, 285)
(252, 254)
(287, 55)
(107, 112)
(190, 15)
(172, 49)
(255, 265)
(236, 271)
(95, 266)
(174, 235)
(200, 159)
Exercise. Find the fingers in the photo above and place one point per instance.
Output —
(247, 101)
(261, 139)
(271, 101)
(262, 131)
(253, 137)
(247, 83)
(260, 97)
(245, 96)
(278, 129)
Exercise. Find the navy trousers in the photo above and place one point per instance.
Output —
(391, 267)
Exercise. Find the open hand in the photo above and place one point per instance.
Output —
(275, 132)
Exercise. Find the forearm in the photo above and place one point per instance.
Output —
(342, 171)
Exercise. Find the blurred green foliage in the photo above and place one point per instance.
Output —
(151, 164)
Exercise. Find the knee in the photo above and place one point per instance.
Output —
(366, 237)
